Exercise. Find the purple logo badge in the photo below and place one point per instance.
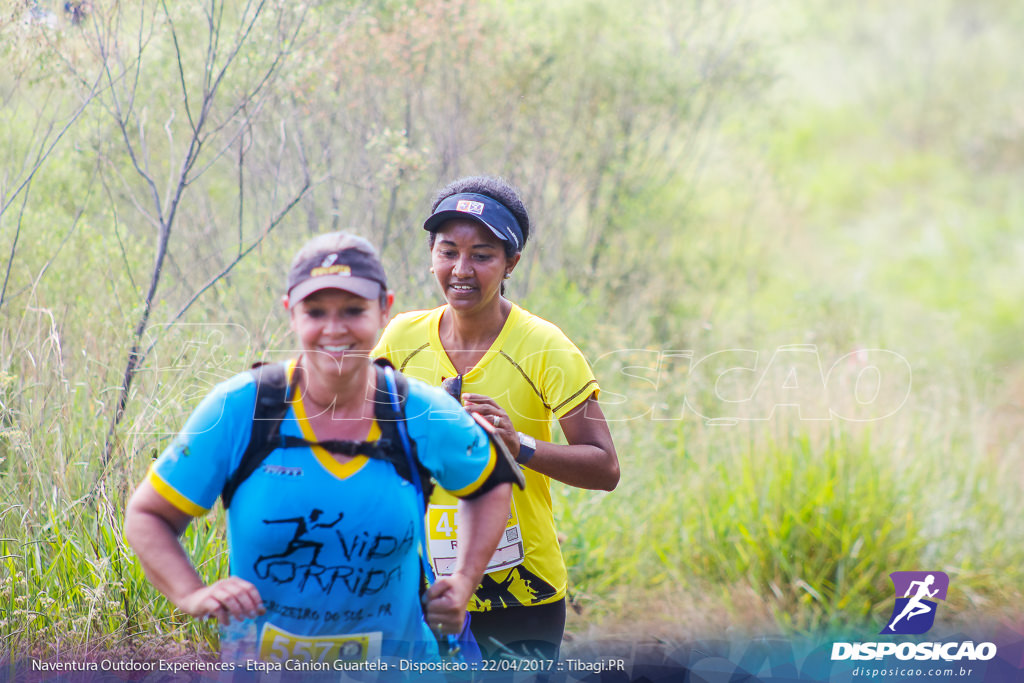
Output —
(916, 595)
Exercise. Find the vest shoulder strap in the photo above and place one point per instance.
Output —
(387, 419)
(273, 394)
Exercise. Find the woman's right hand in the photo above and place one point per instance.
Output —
(152, 526)
(228, 599)
(488, 408)
(445, 603)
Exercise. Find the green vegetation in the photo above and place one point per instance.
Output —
(705, 181)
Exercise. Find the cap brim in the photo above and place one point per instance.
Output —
(368, 289)
(435, 221)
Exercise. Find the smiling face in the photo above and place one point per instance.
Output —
(469, 263)
(337, 330)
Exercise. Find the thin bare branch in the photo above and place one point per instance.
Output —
(252, 100)
(230, 266)
(242, 149)
(14, 244)
(46, 149)
(181, 67)
(43, 153)
(142, 209)
(200, 116)
(74, 226)
(134, 357)
(122, 127)
(117, 232)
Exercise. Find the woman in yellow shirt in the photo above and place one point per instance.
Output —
(517, 371)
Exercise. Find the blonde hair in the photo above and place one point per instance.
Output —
(334, 241)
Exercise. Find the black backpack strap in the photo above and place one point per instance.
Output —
(376, 450)
(387, 419)
(403, 451)
(273, 394)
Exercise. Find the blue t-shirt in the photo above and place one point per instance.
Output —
(332, 548)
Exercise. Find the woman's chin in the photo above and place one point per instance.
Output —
(465, 302)
(461, 296)
(340, 364)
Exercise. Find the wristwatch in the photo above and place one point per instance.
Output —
(527, 447)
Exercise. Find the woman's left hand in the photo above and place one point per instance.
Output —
(489, 409)
(446, 603)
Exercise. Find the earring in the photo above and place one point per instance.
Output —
(431, 270)
(508, 276)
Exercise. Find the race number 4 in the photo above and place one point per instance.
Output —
(443, 525)
(446, 524)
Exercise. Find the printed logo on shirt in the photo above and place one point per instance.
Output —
(282, 471)
(301, 542)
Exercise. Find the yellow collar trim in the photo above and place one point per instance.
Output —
(341, 470)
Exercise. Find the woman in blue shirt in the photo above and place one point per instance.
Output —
(324, 538)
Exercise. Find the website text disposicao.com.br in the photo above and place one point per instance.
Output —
(904, 673)
(952, 659)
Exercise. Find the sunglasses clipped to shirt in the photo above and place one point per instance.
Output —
(453, 385)
(527, 444)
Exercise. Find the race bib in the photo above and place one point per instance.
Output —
(278, 645)
(442, 534)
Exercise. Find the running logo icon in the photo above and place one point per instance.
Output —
(916, 595)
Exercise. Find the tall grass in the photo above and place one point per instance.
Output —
(70, 584)
(806, 524)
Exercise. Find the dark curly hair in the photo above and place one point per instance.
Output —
(496, 188)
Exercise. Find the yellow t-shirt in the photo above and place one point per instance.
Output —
(533, 371)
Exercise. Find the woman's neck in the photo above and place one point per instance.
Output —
(341, 395)
(476, 330)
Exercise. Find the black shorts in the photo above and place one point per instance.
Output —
(534, 631)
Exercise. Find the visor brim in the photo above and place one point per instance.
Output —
(434, 223)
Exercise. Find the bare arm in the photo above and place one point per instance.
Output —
(588, 461)
(152, 527)
(481, 523)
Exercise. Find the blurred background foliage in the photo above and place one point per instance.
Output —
(830, 188)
